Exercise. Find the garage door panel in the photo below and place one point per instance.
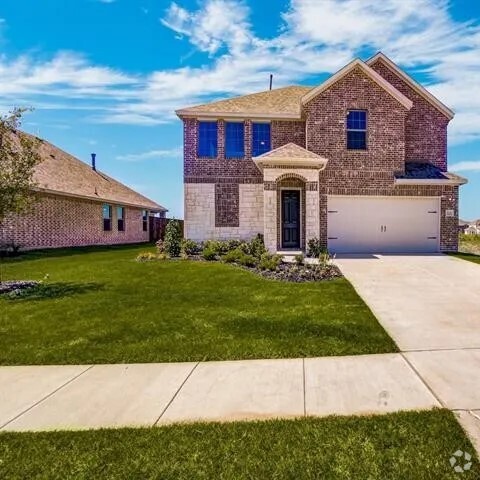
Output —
(383, 224)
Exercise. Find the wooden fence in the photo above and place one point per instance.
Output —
(157, 227)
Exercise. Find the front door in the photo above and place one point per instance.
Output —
(290, 219)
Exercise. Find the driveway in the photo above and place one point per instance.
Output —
(425, 302)
(430, 305)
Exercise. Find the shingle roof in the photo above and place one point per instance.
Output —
(427, 171)
(290, 155)
(290, 150)
(280, 102)
(63, 174)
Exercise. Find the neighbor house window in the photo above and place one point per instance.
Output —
(145, 220)
(260, 138)
(121, 219)
(207, 139)
(107, 217)
(234, 140)
(357, 130)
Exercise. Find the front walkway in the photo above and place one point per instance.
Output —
(78, 397)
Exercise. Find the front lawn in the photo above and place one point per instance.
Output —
(100, 306)
(399, 446)
(471, 257)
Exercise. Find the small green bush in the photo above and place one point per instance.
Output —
(160, 246)
(173, 238)
(257, 246)
(270, 262)
(189, 247)
(233, 256)
(247, 260)
(209, 254)
(299, 259)
(314, 247)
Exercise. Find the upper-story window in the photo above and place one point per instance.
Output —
(234, 140)
(107, 217)
(260, 138)
(207, 139)
(121, 219)
(357, 130)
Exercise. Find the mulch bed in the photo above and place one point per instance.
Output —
(289, 272)
(17, 286)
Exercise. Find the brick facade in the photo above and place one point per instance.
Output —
(395, 135)
(57, 221)
(425, 126)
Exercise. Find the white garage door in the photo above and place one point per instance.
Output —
(383, 224)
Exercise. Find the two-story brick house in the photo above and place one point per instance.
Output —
(359, 161)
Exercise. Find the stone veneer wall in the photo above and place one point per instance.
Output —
(200, 215)
(56, 221)
(425, 125)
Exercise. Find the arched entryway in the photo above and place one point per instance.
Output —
(290, 212)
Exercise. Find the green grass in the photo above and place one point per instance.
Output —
(403, 446)
(471, 257)
(100, 306)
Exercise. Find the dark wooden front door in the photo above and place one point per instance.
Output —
(290, 219)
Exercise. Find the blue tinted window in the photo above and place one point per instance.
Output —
(207, 139)
(357, 130)
(260, 138)
(234, 140)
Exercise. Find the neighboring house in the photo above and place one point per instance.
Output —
(359, 161)
(78, 205)
(473, 228)
(462, 225)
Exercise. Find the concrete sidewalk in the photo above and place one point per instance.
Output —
(81, 397)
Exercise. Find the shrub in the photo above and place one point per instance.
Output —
(299, 259)
(173, 238)
(189, 247)
(233, 256)
(160, 246)
(270, 262)
(209, 254)
(247, 260)
(324, 258)
(315, 248)
(257, 246)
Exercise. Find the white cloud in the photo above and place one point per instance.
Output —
(316, 37)
(221, 23)
(465, 166)
(151, 154)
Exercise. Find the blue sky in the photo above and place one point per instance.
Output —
(105, 76)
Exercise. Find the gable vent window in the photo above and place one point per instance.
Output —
(107, 218)
(121, 219)
(207, 139)
(234, 140)
(261, 142)
(356, 130)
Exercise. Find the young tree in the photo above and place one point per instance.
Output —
(18, 158)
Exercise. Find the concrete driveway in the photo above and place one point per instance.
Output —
(430, 305)
(425, 302)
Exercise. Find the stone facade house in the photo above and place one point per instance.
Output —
(77, 205)
(359, 162)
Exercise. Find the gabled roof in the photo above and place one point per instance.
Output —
(290, 154)
(422, 91)
(281, 103)
(374, 76)
(62, 174)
